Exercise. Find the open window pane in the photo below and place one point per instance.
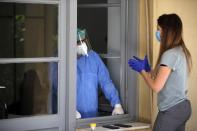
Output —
(27, 89)
(95, 22)
(28, 30)
(102, 27)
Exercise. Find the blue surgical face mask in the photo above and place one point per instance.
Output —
(158, 35)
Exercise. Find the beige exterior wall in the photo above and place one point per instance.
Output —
(144, 39)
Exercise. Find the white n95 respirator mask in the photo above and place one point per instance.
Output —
(82, 49)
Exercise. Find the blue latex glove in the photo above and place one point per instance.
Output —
(136, 65)
(145, 61)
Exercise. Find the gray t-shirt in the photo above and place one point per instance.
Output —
(175, 88)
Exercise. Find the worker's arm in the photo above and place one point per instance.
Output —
(157, 83)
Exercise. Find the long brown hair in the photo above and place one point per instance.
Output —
(171, 26)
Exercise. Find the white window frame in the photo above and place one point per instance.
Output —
(67, 28)
(128, 79)
(65, 119)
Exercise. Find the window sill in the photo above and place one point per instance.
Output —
(135, 126)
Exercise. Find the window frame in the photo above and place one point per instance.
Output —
(67, 27)
(63, 120)
(127, 79)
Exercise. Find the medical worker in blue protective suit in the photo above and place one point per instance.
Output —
(92, 72)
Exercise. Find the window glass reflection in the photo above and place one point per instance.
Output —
(28, 90)
(25, 28)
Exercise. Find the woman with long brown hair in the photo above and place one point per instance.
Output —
(171, 75)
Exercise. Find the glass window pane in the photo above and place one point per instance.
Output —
(29, 89)
(28, 30)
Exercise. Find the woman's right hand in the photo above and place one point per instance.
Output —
(138, 64)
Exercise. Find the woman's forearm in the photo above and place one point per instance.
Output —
(159, 81)
(150, 81)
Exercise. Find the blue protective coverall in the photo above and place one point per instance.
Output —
(91, 72)
(53, 76)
